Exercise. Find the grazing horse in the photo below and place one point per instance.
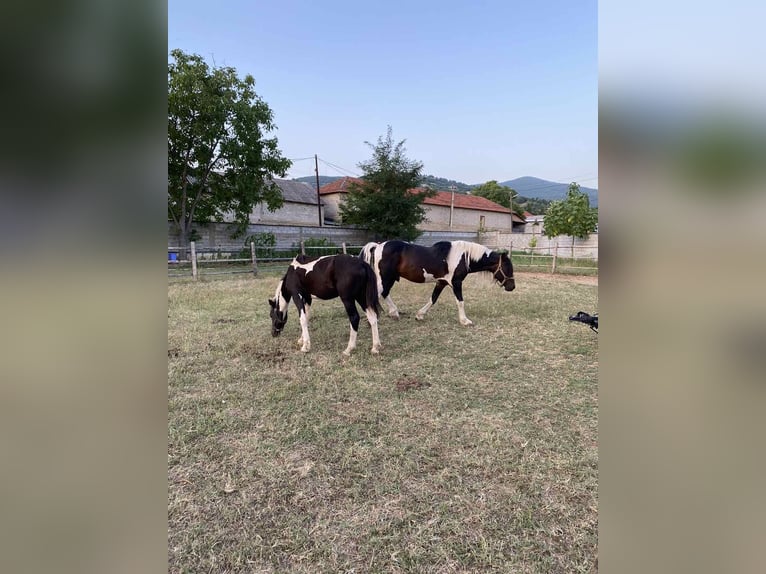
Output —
(446, 262)
(327, 277)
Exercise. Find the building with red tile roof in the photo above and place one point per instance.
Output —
(446, 210)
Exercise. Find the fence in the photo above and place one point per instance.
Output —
(209, 262)
(197, 262)
(583, 259)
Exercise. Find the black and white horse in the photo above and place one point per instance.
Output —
(327, 277)
(446, 263)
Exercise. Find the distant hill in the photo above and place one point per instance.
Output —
(544, 189)
(526, 187)
(441, 184)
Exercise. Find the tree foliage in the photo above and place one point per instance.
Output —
(500, 194)
(220, 160)
(383, 203)
(571, 216)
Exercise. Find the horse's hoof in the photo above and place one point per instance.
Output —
(467, 322)
(420, 317)
(394, 315)
(375, 351)
(346, 353)
(305, 349)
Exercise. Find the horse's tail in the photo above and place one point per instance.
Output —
(367, 253)
(372, 300)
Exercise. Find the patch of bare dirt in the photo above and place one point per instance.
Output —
(408, 384)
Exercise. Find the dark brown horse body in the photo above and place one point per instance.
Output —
(328, 277)
(445, 262)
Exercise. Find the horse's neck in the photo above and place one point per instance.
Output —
(484, 264)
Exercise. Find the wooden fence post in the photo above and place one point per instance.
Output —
(303, 248)
(194, 259)
(555, 256)
(343, 245)
(252, 255)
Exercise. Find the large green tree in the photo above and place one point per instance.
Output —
(500, 194)
(572, 216)
(383, 202)
(220, 160)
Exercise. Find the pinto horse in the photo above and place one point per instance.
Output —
(327, 277)
(446, 263)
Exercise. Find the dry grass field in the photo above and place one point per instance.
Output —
(457, 449)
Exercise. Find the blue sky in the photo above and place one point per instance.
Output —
(480, 90)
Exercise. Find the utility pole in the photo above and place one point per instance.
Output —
(452, 204)
(319, 201)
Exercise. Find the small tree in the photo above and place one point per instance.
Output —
(500, 194)
(572, 216)
(219, 158)
(383, 202)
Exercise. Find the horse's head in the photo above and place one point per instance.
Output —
(503, 273)
(278, 310)
(278, 318)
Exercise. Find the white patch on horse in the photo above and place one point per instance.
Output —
(308, 267)
(305, 332)
(463, 250)
(427, 277)
(282, 302)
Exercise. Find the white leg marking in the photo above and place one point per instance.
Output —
(423, 310)
(393, 311)
(372, 319)
(305, 340)
(461, 314)
(351, 342)
(308, 310)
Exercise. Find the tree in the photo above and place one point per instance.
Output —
(572, 216)
(219, 159)
(500, 194)
(383, 202)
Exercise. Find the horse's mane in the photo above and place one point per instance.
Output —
(471, 251)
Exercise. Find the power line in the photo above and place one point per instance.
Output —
(339, 169)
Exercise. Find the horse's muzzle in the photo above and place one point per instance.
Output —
(509, 285)
(275, 332)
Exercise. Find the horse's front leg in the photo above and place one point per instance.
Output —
(440, 285)
(353, 317)
(307, 307)
(457, 288)
(305, 340)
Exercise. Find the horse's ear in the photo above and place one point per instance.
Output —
(272, 303)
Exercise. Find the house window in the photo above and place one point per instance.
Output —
(481, 223)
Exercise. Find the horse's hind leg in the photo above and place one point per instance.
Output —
(393, 311)
(353, 317)
(434, 296)
(372, 319)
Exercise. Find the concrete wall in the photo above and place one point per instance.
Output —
(583, 248)
(289, 213)
(218, 235)
(437, 217)
(331, 204)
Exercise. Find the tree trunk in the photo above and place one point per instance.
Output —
(183, 241)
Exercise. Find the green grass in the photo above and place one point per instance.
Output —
(458, 449)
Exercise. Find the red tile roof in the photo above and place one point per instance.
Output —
(339, 185)
(442, 198)
(462, 201)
